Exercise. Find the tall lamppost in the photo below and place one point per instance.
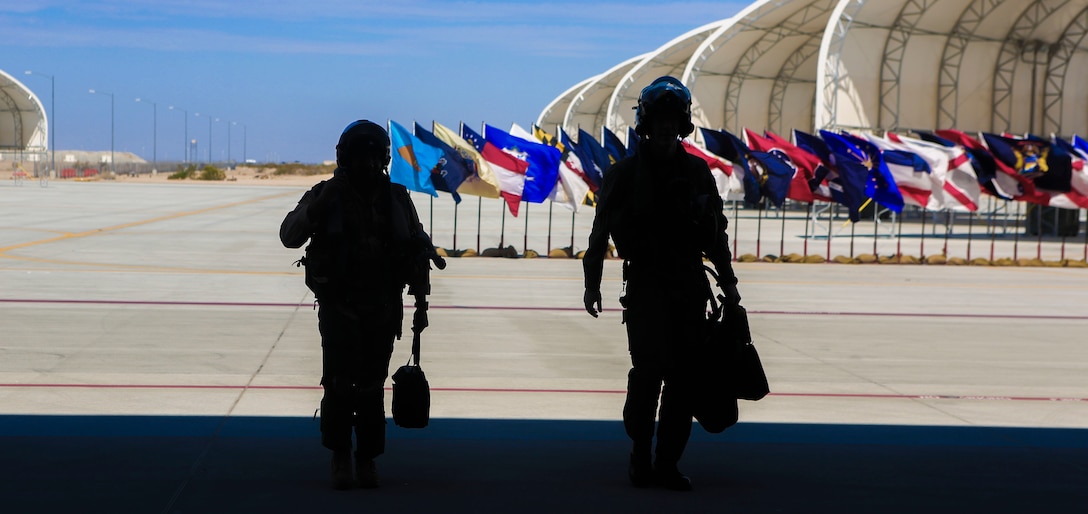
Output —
(51, 123)
(154, 133)
(185, 145)
(229, 123)
(111, 126)
(244, 160)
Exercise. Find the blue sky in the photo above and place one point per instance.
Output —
(291, 74)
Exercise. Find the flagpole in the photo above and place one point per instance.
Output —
(782, 239)
(947, 230)
(525, 241)
(736, 222)
(993, 230)
(455, 206)
(833, 208)
(1016, 234)
(876, 225)
(852, 229)
(759, 228)
(922, 240)
(1085, 236)
(551, 209)
(970, 229)
(572, 234)
(1039, 230)
(479, 217)
(807, 216)
(431, 214)
(899, 242)
(502, 229)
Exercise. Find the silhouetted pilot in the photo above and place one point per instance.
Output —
(663, 212)
(366, 244)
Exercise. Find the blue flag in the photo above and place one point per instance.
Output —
(613, 145)
(846, 179)
(451, 170)
(543, 161)
(632, 141)
(1045, 165)
(730, 147)
(593, 170)
(594, 149)
(412, 160)
(880, 186)
(776, 177)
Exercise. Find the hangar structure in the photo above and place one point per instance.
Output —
(870, 65)
(23, 124)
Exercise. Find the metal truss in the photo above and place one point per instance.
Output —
(891, 67)
(791, 27)
(834, 80)
(965, 31)
(1053, 98)
(16, 116)
(786, 76)
(1014, 51)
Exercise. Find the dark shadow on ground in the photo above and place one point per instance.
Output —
(262, 464)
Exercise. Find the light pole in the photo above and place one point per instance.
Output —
(229, 123)
(244, 160)
(209, 135)
(111, 126)
(51, 123)
(154, 133)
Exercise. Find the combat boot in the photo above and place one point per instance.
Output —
(341, 470)
(668, 476)
(367, 473)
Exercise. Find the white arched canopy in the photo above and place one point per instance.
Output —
(23, 125)
(670, 59)
(882, 65)
(589, 108)
(975, 65)
(553, 115)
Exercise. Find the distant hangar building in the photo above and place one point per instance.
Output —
(874, 65)
(23, 125)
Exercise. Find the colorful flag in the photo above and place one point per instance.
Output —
(1033, 158)
(956, 186)
(1017, 177)
(880, 185)
(612, 145)
(412, 160)
(798, 188)
(632, 141)
(574, 160)
(543, 161)
(913, 176)
(814, 169)
(451, 169)
(509, 169)
(593, 149)
(570, 190)
(729, 188)
(775, 176)
(845, 179)
(480, 181)
(729, 147)
(995, 181)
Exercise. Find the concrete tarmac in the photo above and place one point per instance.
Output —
(160, 354)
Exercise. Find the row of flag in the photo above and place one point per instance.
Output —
(517, 166)
(936, 170)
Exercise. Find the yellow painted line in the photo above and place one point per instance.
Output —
(71, 235)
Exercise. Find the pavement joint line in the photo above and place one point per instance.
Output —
(96, 231)
(891, 396)
(1068, 317)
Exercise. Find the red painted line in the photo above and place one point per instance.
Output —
(568, 309)
(558, 391)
